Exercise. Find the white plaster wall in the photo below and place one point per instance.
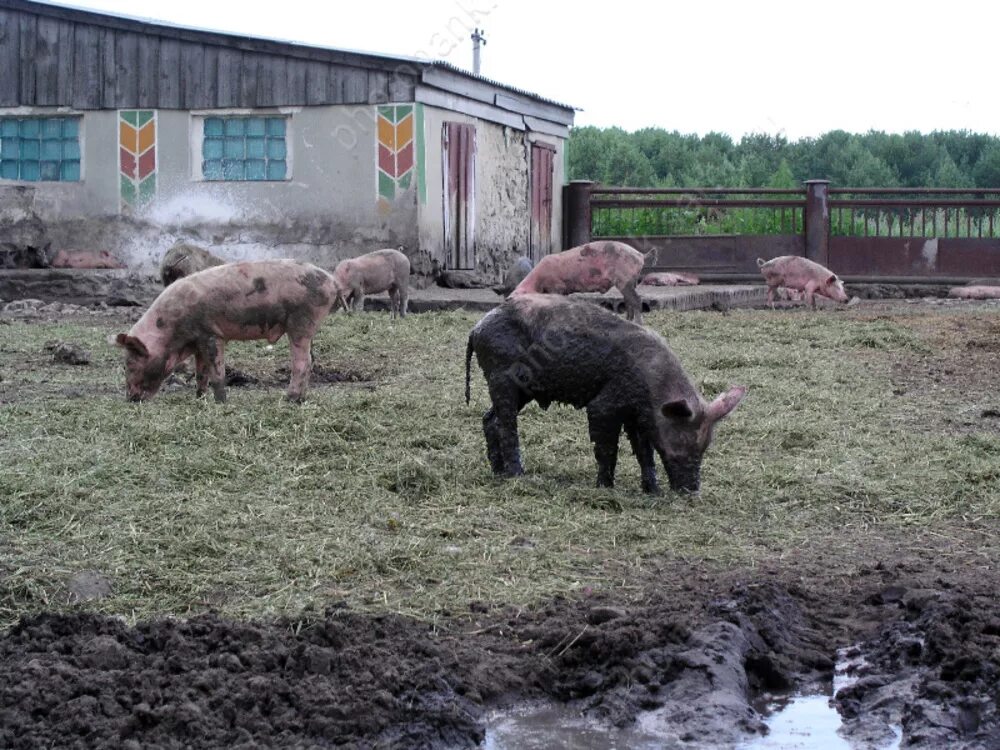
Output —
(502, 191)
(328, 209)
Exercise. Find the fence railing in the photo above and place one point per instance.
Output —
(669, 211)
(916, 212)
(876, 233)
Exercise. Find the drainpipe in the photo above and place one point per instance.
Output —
(477, 40)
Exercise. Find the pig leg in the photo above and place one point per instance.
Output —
(604, 432)
(507, 402)
(404, 294)
(201, 374)
(210, 360)
(301, 351)
(643, 451)
(393, 301)
(491, 429)
(633, 302)
(810, 294)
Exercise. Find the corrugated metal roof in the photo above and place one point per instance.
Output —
(498, 84)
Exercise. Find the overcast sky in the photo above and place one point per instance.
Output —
(798, 69)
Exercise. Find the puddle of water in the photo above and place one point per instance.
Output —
(808, 722)
(550, 727)
(796, 722)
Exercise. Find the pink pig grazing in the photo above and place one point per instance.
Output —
(594, 267)
(199, 313)
(374, 272)
(801, 274)
(85, 259)
(665, 278)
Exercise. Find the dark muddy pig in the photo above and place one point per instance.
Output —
(801, 274)
(378, 271)
(546, 348)
(198, 314)
(594, 267)
(184, 259)
(514, 276)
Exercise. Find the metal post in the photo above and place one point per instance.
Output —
(478, 40)
(818, 221)
(576, 203)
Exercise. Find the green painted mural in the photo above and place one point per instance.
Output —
(137, 156)
(400, 157)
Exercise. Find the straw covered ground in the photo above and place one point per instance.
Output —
(359, 546)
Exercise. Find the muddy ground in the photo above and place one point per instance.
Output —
(699, 644)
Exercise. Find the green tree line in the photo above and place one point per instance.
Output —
(653, 157)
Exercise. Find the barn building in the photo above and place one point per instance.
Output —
(126, 135)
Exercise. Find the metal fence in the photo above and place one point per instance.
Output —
(876, 234)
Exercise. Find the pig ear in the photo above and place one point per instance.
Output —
(679, 409)
(725, 403)
(131, 343)
(832, 279)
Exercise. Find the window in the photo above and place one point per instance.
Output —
(244, 148)
(40, 149)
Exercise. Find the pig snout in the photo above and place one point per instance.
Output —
(835, 291)
(684, 476)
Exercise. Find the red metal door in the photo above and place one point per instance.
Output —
(459, 170)
(542, 156)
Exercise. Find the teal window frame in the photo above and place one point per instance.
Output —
(244, 148)
(40, 148)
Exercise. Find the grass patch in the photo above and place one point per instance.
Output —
(383, 498)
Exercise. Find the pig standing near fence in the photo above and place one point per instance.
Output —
(594, 267)
(801, 274)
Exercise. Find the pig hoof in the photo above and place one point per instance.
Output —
(295, 398)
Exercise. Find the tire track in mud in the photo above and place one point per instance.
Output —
(932, 653)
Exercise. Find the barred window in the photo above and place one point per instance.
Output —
(40, 149)
(244, 148)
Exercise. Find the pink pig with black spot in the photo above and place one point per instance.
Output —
(801, 274)
(197, 315)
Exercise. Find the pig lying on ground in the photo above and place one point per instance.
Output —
(183, 260)
(514, 276)
(448, 279)
(975, 292)
(594, 267)
(374, 272)
(544, 348)
(85, 259)
(236, 302)
(665, 278)
(801, 274)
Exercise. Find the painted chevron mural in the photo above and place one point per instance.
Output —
(396, 150)
(137, 156)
